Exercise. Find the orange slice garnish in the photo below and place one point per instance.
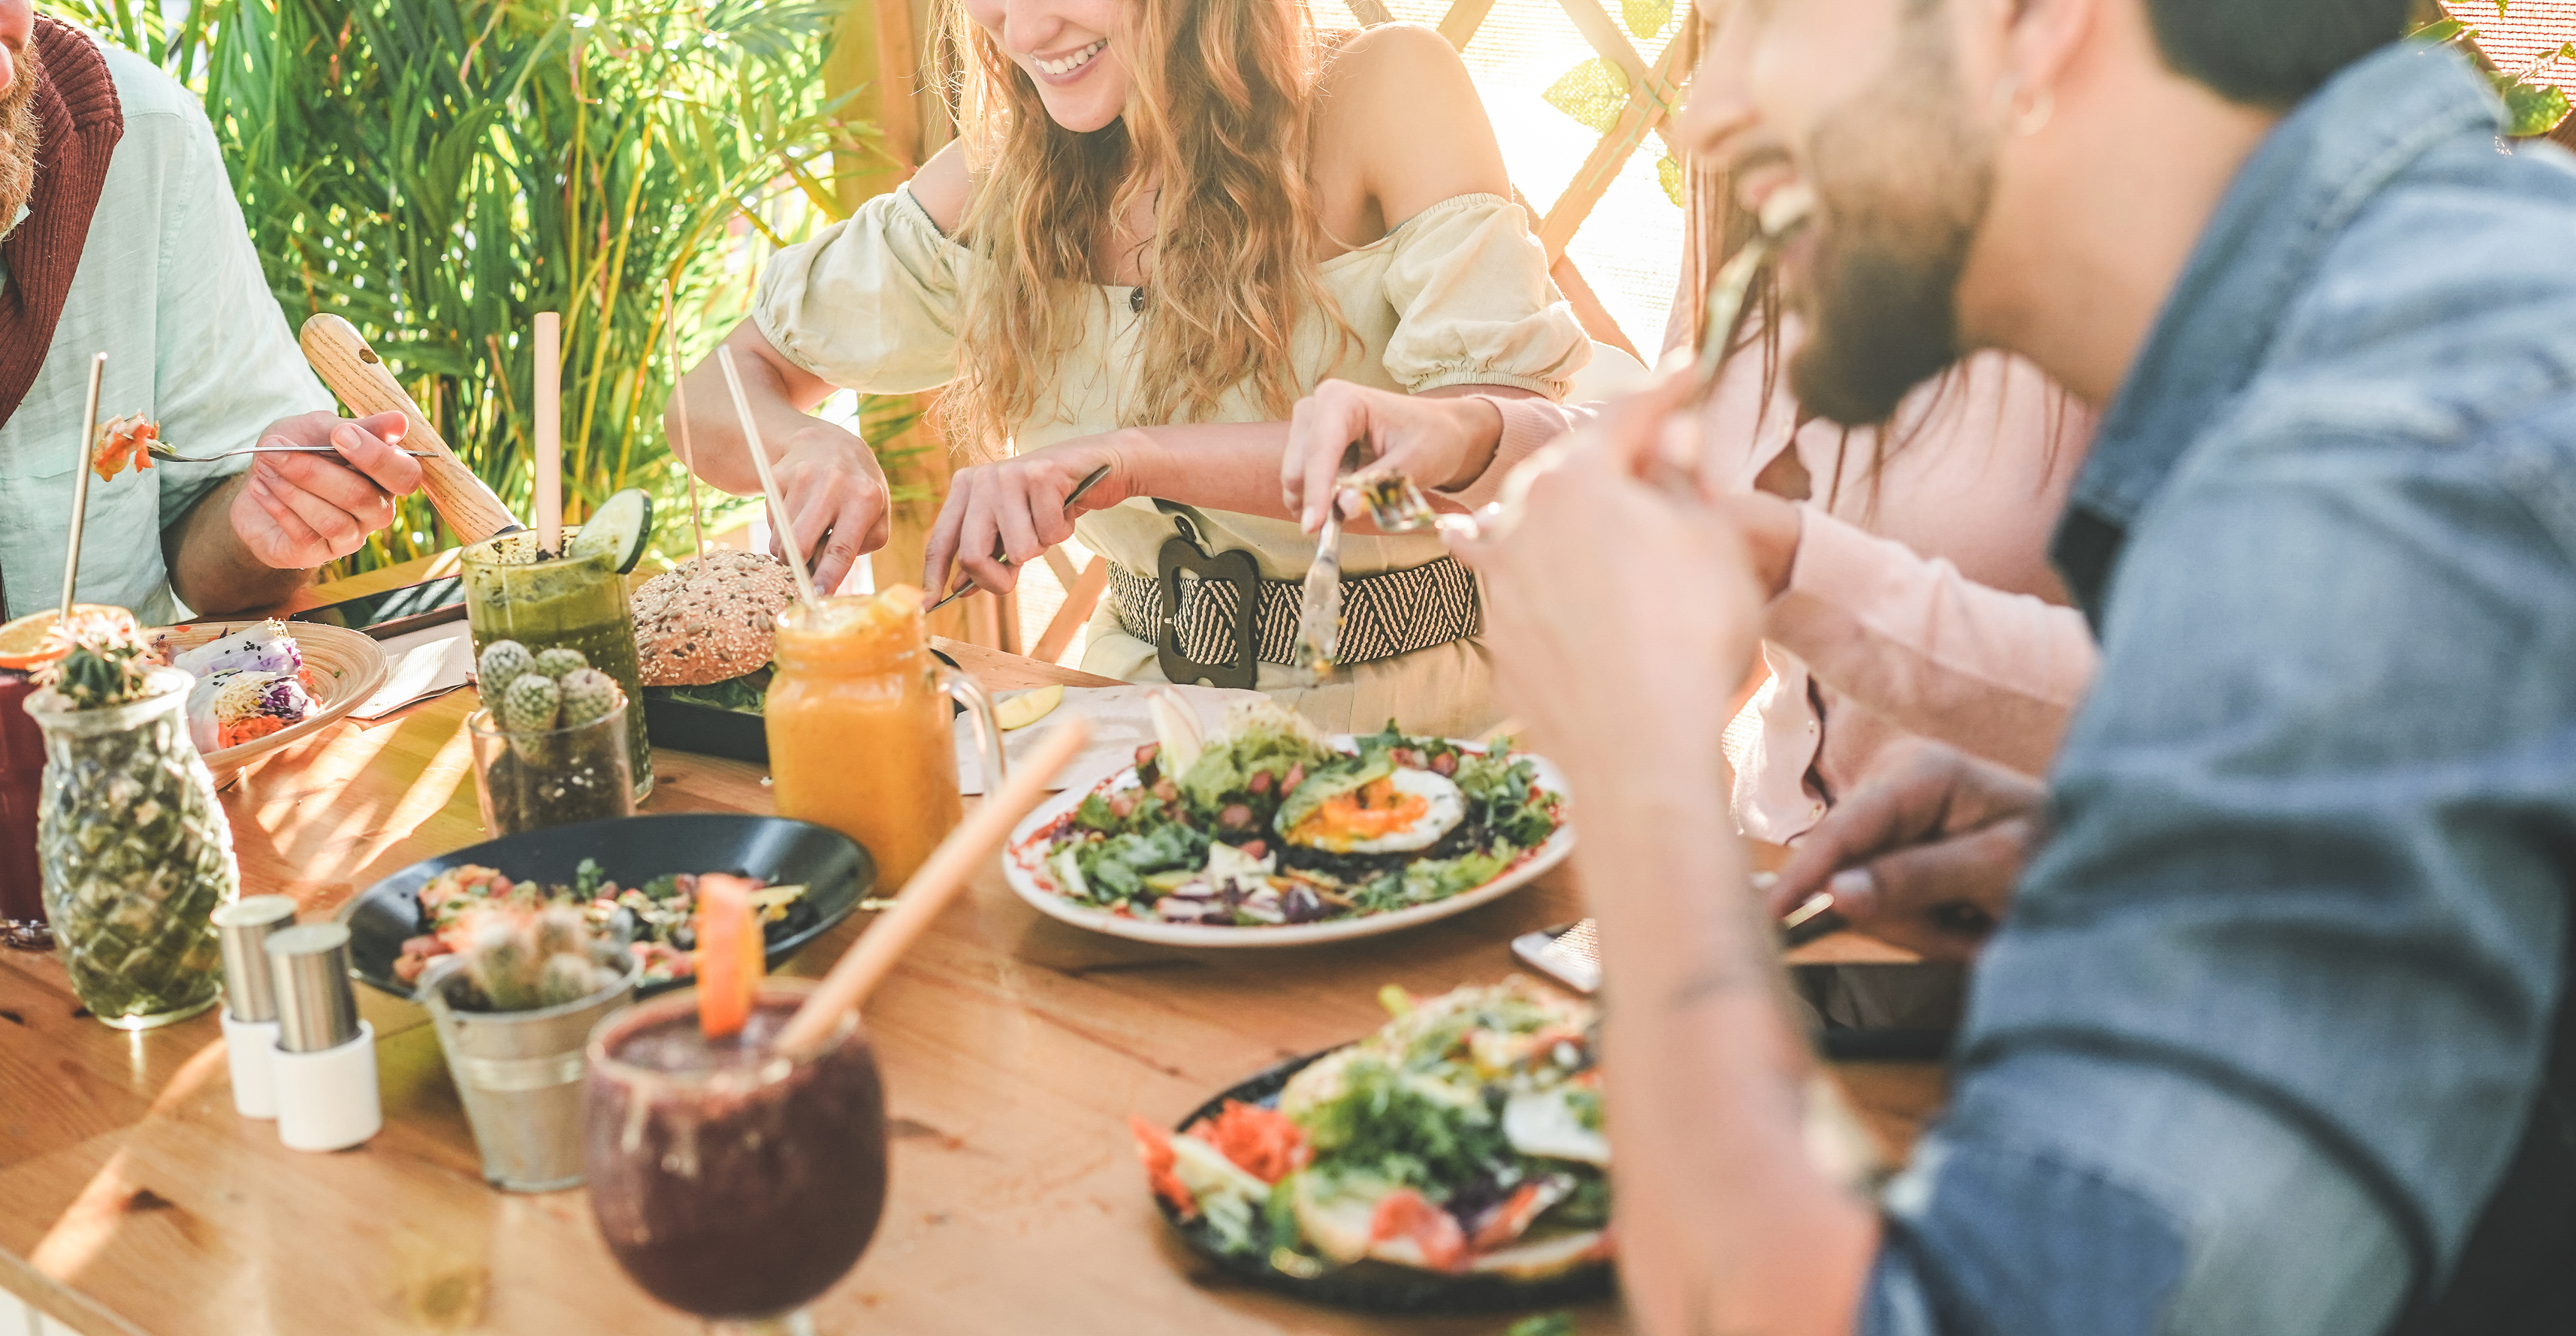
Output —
(30, 641)
(729, 954)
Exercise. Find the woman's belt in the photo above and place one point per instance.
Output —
(1197, 617)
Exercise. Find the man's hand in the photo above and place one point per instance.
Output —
(1439, 442)
(1923, 853)
(1021, 502)
(297, 511)
(836, 500)
(1621, 612)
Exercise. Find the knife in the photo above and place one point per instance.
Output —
(1319, 609)
(1089, 480)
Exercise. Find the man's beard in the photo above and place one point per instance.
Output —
(1903, 179)
(18, 133)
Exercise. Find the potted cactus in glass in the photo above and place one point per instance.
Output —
(513, 1005)
(134, 850)
(550, 743)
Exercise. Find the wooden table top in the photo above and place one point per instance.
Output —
(1014, 1047)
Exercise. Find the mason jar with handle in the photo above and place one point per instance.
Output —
(859, 738)
(136, 854)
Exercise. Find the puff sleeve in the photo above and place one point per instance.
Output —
(870, 303)
(1474, 305)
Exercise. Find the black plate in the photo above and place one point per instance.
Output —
(1375, 1287)
(707, 731)
(633, 850)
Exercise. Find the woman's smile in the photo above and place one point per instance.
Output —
(1070, 66)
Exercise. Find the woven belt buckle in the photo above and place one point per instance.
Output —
(1183, 556)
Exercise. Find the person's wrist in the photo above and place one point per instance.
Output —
(1478, 423)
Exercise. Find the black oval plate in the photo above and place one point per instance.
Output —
(1375, 1287)
(632, 850)
(707, 731)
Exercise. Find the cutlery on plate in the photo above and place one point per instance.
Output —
(1089, 480)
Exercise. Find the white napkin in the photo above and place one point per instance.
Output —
(1120, 724)
(418, 665)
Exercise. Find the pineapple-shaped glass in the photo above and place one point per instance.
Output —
(136, 852)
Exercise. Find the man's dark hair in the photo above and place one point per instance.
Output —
(2272, 53)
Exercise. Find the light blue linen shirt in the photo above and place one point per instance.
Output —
(2277, 1005)
(170, 288)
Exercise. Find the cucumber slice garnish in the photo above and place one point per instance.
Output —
(617, 530)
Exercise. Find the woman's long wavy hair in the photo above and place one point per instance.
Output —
(1218, 128)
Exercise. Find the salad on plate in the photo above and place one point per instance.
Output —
(1269, 823)
(1463, 1139)
(655, 920)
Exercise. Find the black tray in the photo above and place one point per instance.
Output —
(708, 731)
(834, 870)
(1375, 1287)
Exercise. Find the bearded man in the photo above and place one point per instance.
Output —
(123, 237)
(2277, 1036)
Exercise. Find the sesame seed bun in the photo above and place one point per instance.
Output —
(711, 618)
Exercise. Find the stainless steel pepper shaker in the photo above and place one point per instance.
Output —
(250, 1003)
(325, 1060)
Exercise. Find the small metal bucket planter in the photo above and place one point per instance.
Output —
(520, 1074)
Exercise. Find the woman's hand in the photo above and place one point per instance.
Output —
(1621, 611)
(1923, 852)
(836, 499)
(1440, 442)
(1021, 502)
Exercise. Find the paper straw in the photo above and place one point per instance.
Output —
(680, 401)
(549, 403)
(867, 963)
(784, 532)
(80, 487)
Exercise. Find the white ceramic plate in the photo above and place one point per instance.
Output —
(346, 666)
(1024, 866)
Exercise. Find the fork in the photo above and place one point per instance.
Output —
(168, 455)
(1395, 505)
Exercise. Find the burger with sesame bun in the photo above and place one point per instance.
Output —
(704, 630)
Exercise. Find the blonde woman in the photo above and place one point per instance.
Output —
(1164, 223)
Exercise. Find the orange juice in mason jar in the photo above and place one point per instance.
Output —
(858, 727)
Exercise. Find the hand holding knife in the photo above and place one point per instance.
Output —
(1089, 480)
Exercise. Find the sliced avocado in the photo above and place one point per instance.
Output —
(618, 530)
(1329, 782)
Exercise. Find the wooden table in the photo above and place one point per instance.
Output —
(133, 1199)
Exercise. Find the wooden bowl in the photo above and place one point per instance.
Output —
(346, 667)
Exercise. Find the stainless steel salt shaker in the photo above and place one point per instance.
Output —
(325, 1060)
(250, 1003)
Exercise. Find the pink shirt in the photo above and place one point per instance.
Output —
(1920, 604)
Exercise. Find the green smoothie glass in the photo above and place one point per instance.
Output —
(514, 592)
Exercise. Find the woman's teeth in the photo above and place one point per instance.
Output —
(1073, 62)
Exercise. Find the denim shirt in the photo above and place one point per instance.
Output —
(2275, 1007)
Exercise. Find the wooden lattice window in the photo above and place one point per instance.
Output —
(1583, 93)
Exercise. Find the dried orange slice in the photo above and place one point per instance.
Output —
(30, 640)
(729, 954)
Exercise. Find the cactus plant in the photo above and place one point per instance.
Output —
(504, 662)
(588, 694)
(522, 957)
(529, 704)
(560, 660)
(105, 667)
